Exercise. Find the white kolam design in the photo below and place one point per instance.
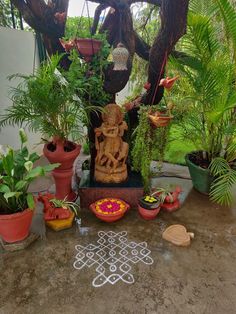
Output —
(113, 257)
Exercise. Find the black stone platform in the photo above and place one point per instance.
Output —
(130, 190)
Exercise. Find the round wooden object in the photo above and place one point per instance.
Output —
(178, 235)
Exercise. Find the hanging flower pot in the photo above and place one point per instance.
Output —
(159, 119)
(120, 57)
(88, 47)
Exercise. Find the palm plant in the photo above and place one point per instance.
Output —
(210, 121)
(48, 101)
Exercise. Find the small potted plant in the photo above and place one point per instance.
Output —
(48, 102)
(149, 206)
(16, 203)
(58, 214)
(57, 209)
(169, 198)
(79, 36)
(161, 116)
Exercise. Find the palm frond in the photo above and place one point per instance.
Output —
(229, 17)
(221, 188)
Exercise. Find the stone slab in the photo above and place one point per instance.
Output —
(129, 191)
(16, 246)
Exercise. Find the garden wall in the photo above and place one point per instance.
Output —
(18, 54)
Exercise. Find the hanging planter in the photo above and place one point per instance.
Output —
(158, 119)
(120, 57)
(88, 47)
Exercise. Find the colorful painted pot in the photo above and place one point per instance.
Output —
(109, 209)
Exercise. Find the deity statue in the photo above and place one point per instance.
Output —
(112, 151)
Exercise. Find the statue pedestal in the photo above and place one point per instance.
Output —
(129, 191)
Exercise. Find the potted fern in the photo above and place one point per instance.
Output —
(48, 102)
(210, 120)
(16, 203)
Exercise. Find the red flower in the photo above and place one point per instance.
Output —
(147, 85)
(168, 82)
(67, 45)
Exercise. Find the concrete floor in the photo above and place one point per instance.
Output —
(198, 279)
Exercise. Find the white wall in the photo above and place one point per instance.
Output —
(18, 54)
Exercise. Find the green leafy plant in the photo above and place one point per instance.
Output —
(49, 102)
(210, 120)
(166, 194)
(65, 204)
(80, 27)
(89, 77)
(148, 141)
(16, 174)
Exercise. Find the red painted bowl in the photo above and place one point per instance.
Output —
(109, 209)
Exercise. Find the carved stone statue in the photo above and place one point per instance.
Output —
(112, 151)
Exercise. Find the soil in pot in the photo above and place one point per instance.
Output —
(63, 152)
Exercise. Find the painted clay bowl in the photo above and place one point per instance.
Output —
(109, 209)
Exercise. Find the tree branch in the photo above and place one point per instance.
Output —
(97, 14)
(141, 47)
(173, 26)
(155, 2)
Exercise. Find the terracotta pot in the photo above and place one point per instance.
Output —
(148, 214)
(63, 184)
(109, 217)
(159, 121)
(88, 47)
(171, 207)
(15, 227)
(50, 211)
(66, 159)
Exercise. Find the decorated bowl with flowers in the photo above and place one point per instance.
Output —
(149, 207)
(109, 209)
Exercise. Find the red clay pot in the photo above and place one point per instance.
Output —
(59, 155)
(108, 218)
(50, 211)
(15, 227)
(171, 207)
(162, 121)
(148, 214)
(88, 47)
(63, 184)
